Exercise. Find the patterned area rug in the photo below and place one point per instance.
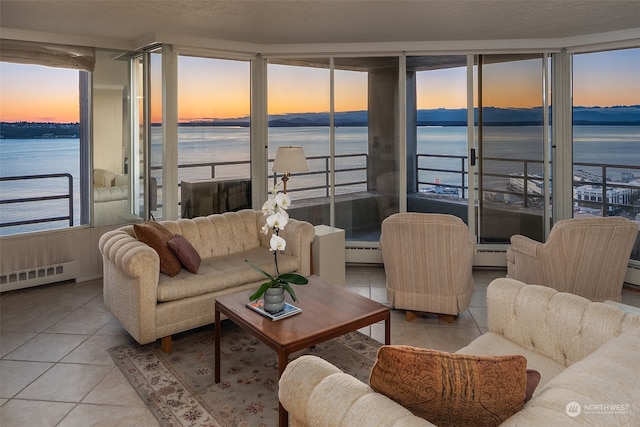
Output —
(180, 390)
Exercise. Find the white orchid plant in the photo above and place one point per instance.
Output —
(277, 218)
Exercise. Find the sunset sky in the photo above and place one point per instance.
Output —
(211, 88)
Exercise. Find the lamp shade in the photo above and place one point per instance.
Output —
(290, 159)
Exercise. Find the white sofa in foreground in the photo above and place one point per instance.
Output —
(588, 355)
(151, 305)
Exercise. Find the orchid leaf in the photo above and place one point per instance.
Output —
(296, 279)
(261, 290)
(289, 289)
(255, 267)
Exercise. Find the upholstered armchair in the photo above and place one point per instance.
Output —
(583, 256)
(428, 261)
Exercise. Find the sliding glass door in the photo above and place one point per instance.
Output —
(511, 148)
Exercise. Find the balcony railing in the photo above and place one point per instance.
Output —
(523, 185)
(67, 195)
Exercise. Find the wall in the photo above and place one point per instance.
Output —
(34, 250)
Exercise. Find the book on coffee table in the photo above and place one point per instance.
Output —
(288, 310)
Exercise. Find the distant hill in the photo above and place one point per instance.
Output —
(36, 130)
(616, 115)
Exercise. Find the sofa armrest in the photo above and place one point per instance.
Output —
(131, 270)
(525, 245)
(299, 235)
(604, 384)
(523, 262)
(315, 392)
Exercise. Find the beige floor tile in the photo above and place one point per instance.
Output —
(16, 375)
(113, 327)
(23, 413)
(94, 350)
(65, 383)
(479, 315)
(81, 322)
(33, 321)
(379, 295)
(12, 340)
(631, 296)
(47, 347)
(7, 312)
(114, 389)
(108, 416)
(96, 304)
(65, 301)
(361, 290)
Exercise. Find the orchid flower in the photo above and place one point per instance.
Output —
(275, 208)
(277, 243)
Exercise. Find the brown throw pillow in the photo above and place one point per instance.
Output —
(533, 379)
(450, 389)
(156, 236)
(186, 253)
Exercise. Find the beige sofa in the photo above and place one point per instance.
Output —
(110, 198)
(151, 305)
(586, 352)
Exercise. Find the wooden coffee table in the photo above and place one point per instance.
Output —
(327, 312)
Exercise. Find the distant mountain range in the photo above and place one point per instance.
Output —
(617, 115)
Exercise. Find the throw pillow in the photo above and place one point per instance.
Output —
(449, 389)
(186, 253)
(533, 379)
(156, 236)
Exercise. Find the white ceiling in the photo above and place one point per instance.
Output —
(129, 24)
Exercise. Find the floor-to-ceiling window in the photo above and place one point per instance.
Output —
(606, 135)
(41, 158)
(357, 177)
(511, 145)
(213, 135)
(298, 107)
(352, 151)
(112, 171)
(438, 168)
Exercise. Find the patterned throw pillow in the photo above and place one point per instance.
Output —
(186, 253)
(449, 389)
(156, 236)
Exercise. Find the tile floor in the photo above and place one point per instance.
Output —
(55, 369)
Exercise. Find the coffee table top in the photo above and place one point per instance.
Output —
(328, 311)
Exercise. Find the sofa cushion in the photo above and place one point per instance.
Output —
(219, 273)
(156, 236)
(492, 344)
(450, 389)
(185, 252)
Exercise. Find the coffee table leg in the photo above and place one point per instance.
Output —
(283, 415)
(217, 347)
(387, 329)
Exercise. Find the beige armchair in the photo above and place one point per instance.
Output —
(428, 261)
(583, 256)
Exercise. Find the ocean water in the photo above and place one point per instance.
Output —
(616, 145)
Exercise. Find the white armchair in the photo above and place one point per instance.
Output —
(583, 256)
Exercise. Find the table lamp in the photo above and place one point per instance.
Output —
(288, 160)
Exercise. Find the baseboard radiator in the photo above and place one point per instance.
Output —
(363, 253)
(38, 276)
(632, 277)
(370, 253)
